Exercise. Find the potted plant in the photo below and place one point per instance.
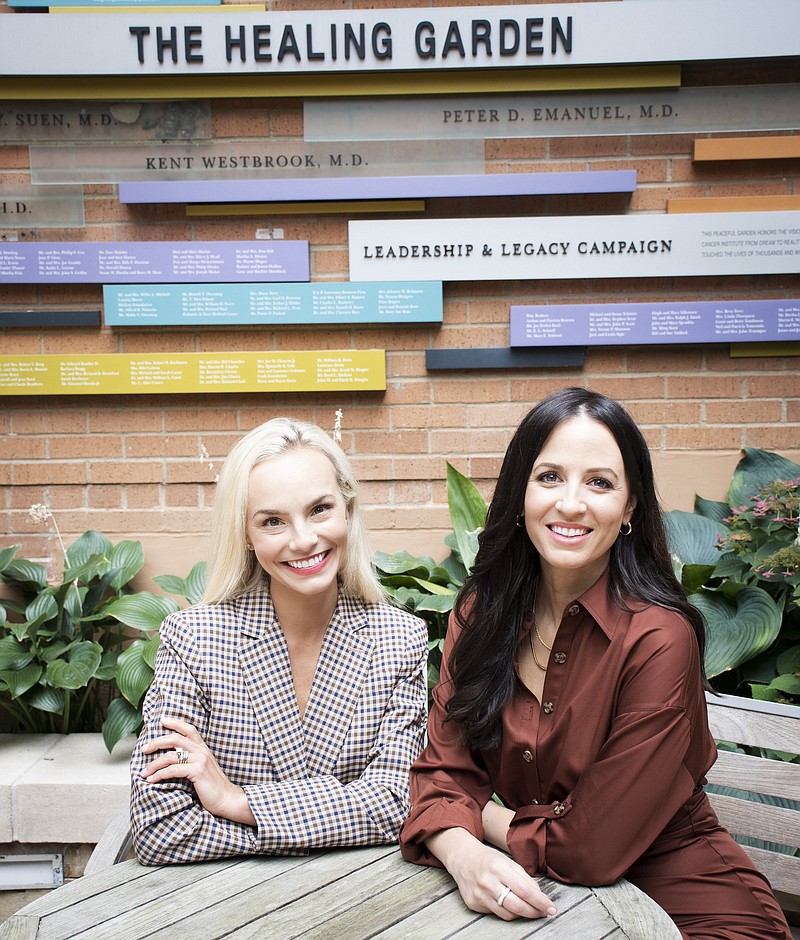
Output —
(78, 655)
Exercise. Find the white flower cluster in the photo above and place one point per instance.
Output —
(40, 513)
(337, 426)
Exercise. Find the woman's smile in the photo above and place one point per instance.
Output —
(309, 565)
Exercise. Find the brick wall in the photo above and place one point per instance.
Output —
(143, 466)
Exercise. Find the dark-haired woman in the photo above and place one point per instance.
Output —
(572, 688)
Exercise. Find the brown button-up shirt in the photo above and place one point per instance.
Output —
(602, 770)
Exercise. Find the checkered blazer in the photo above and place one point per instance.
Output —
(338, 776)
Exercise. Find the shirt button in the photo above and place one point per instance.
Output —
(560, 657)
(574, 609)
(547, 708)
(559, 809)
(527, 756)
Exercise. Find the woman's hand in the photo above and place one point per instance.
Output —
(483, 874)
(195, 763)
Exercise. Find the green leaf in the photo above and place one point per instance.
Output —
(89, 546)
(13, 655)
(26, 572)
(442, 604)
(789, 683)
(18, 682)
(127, 558)
(6, 554)
(757, 468)
(133, 673)
(693, 577)
(150, 649)
(712, 509)
(171, 583)
(89, 569)
(692, 538)
(731, 566)
(75, 673)
(46, 699)
(737, 632)
(457, 572)
(433, 588)
(467, 513)
(54, 649)
(142, 611)
(400, 563)
(196, 583)
(107, 670)
(763, 693)
(789, 661)
(191, 587)
(42, 608)
(122, 719)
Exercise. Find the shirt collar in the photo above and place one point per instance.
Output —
(601, 607)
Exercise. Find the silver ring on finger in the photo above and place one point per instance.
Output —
(183, 755)
(503, 895)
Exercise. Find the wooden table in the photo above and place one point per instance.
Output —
(348, 894)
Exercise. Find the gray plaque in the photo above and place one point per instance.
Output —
(24, 121)
(26, 207)
(559, 114)
(252, 159)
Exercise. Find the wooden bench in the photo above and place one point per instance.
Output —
(115, 845)
(775, 727)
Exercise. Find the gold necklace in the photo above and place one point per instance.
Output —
(533, 650)
(530, 632)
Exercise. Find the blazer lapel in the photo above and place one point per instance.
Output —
(343, 666)
(267, 675)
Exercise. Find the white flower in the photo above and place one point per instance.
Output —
(40, 513)
(337, 426)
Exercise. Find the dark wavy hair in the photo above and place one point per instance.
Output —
(498, 596)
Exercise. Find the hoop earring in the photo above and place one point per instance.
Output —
(520, 521)
(630, 529)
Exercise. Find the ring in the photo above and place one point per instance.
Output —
(183, 755)
(503, 895)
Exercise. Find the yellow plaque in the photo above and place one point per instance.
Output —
(181, 373)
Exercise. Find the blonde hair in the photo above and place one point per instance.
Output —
(234, 570)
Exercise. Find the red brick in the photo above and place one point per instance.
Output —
(125, 471)
(704, 438)
(778, 437)
(48, 472)
(702, 386)
(48, 421)
(757, 411)
(162, 445)
(90, 445)
(17, 447)
(142, 495)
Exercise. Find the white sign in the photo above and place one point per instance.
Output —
(141, 42)
(576, 247)
(558, 114)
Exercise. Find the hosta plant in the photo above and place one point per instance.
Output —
(78, 654)
(740, 562)
(429, 588)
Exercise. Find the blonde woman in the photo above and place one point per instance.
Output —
(287, 707)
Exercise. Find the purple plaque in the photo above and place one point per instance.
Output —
(379, 187)
(152, 262)
(720, 321)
